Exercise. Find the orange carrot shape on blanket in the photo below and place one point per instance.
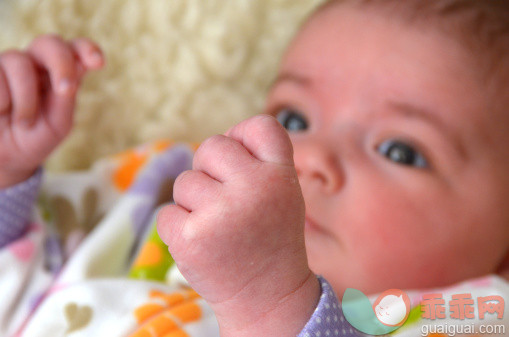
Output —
(167, 314)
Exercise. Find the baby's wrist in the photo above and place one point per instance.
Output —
(284, 317)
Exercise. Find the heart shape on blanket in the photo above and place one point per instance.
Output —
(77, 316)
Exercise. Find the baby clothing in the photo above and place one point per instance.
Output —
(87, 261)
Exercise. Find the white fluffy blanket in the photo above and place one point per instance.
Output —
(180, 69)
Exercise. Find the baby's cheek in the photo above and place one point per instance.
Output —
(389, 240)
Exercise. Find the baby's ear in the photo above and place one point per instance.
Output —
(503, 269)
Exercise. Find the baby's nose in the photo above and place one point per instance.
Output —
(316, 163)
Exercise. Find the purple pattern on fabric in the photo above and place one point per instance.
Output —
(54, 255)
(35, 301)
(167, 165)
(328, 319)
(16, 203)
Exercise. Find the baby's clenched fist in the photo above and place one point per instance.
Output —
(237, 229)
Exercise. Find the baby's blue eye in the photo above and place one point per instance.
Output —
(292, 120)
(401, 153)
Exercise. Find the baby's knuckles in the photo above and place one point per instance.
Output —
(220, 151)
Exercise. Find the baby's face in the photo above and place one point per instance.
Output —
(402, 164)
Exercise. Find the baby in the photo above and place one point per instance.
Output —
(393, 172)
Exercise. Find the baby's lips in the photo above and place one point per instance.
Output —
(311, 224)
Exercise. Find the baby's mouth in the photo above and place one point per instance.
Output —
(314, 231)
(311, 225)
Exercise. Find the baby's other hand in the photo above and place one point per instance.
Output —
(237, 231)
(38, 89)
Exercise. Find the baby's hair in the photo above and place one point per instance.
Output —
(481, 26)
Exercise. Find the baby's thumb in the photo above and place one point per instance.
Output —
(265, 138)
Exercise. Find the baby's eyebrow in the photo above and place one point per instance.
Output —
(413, 111)
(290, 77)
(417, 112)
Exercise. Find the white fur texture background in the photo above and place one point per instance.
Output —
(179, 69)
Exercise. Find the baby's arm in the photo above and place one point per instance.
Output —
(237, 231)
(38, 88)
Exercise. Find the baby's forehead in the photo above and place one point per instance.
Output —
(480, 29)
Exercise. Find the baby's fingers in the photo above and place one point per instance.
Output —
(195, 189)
(18, 86)
(55, 56)
(222, 158)
(88, 53)
(56, 59)
(5, 94)
(171, 220)
(265, 138)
